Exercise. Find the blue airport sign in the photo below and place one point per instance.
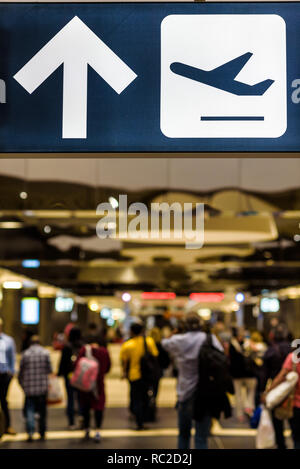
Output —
(149, 77)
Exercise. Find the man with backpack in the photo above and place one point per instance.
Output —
(138, 362)
(185, 349)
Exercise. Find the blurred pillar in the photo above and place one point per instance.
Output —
(11, 314)
(290, 314)
(240, 316)
(296, 327)
(127, 322)
(260, 323)
(250, 320)
(82, 317)
(228, 320)
(46, 323)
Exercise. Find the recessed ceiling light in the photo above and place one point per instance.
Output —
(126, 297)
(239, 297)
(113, 202)
(93, 306)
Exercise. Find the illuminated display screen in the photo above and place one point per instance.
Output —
(64, 305)
(269, 305)
(30, 311)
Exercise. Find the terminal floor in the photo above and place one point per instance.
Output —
(118, 433)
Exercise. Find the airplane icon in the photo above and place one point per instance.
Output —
(223, 77)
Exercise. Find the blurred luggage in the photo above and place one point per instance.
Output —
(265, 437)
(55, 394)
(150, 368)
(214, 384)
(278, 395)
(86, 372)
(214, 369)
(150, 410)
(285, 411)
(254, 420)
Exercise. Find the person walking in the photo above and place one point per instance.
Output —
(185, 349)
(291, 363)
(95, 399)
(131, 355)
(7, 371)
(68, 359)
(254, 349)
(163, 361)
(35, 367)
(273, 360)
(242, 369)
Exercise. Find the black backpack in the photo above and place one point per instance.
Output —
(214, 373)
(150, 369)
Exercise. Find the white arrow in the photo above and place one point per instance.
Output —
(75, 46)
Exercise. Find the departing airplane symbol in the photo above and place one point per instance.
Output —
(75, 46)
(223, 77)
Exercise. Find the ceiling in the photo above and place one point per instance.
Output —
(251, 236)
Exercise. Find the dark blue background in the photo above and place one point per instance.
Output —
(129, 122)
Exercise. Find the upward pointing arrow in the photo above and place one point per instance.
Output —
(75, 46)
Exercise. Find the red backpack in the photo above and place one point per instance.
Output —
(86, 372)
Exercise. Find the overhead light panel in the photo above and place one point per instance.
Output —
(158, 295)
(204, 314)
(207, 297)
(10, 224)
(31, 263)
(12, 285)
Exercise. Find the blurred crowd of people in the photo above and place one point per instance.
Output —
(210, 363)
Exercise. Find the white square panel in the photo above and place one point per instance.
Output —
(223, 76)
